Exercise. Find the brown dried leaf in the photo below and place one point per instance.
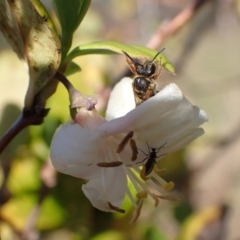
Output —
(42, 45)
(10, 29)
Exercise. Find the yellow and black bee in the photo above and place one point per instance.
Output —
(146, 71)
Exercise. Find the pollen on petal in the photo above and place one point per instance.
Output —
(169, 186)
(110, 164)
(142, 194)
(134, 149)
(124, 142)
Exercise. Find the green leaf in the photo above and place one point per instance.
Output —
(105, 47)
(153, 233)
(72, 68)
(42, 43)
(51, 215)
(24, 176)
(70, 15)
(110, 234)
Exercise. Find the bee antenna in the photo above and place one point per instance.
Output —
(157, 55)
(128, 56)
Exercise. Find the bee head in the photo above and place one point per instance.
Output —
(146, 69)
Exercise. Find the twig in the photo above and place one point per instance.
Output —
(64, 81)
(168, 28)
(27, 118)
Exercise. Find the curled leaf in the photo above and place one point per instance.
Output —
(10, 29)
(32, 34)
(107, 47)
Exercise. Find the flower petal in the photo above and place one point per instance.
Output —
(163, 102)
(185, 140)
(74, 148)
(165, 146)
(121, 99)
(89, 119)
(200, 118)
(78, 170)
(110, 188)
(185, 116)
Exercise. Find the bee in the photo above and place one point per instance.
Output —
(147, 71)
(144, 86)
(151, 158)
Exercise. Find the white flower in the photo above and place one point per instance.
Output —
(87, 148)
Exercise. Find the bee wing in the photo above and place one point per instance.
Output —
(130, 63)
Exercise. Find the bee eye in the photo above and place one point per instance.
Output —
(151, 69)
(145, 70)
(139, 69)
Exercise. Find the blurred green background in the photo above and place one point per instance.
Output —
(38, 203)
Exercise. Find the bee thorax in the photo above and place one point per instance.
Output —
(141, 84)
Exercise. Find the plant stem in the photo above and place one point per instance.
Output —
(17, 127)
(26, 119)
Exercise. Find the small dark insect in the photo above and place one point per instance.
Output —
(151, 158)
(146, 71)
